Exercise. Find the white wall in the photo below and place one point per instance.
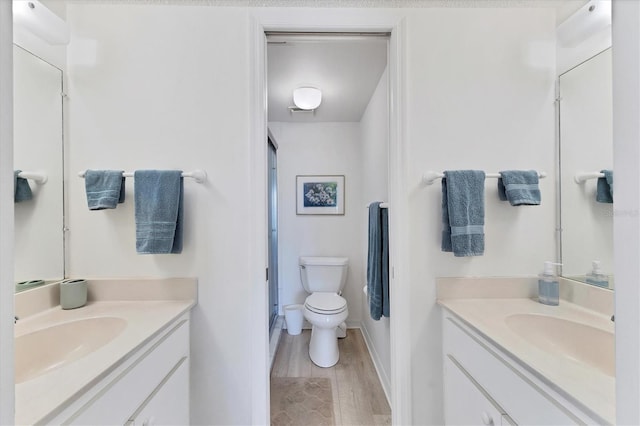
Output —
(374, 127)
(319, 149)
(480, 92)
(6, 217)
(626, 226)
(166, 87)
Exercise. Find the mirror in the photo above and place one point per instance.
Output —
(38, 148)
(586, 147)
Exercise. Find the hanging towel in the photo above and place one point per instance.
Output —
(604, 188)
(520, 187)
(158, 198)
(378, 262)
(104, 188)
(21, 188)
(463, 212)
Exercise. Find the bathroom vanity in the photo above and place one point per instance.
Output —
(510, 360)
(121, 359)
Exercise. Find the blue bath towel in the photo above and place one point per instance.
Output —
(520, 187)
(158, 204)
(604, 188)
(378, 262)
(21, 188)
(104, 188)
(463, 212)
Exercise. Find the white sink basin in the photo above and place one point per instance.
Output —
(573, 340)
(49, 348)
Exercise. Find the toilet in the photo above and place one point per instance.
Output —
(324, 278)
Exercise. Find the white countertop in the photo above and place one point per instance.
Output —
(44, 396)
(584, 384)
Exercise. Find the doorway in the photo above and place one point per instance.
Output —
(347, 136)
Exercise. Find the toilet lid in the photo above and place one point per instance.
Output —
(326, 303)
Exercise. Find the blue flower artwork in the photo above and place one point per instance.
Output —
(320, 194)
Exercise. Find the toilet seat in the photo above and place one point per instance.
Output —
(325, 303)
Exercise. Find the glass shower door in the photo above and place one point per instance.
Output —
(272, 228)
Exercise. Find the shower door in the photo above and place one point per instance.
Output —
(272, 228)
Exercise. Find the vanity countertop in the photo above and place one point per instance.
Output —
(589, 387)
(40, 398)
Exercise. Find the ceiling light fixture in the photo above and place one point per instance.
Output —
(306, 98)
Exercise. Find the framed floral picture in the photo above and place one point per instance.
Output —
(320, 194)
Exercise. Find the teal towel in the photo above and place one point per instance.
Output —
(378, 262)
(104, 188)
(520, 187)
(158, 204)
(604, 187)
(21, 188)
(463, 212)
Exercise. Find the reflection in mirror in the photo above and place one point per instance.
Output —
(586, 146)
(38, 147)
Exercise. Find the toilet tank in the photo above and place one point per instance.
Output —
(323, 274)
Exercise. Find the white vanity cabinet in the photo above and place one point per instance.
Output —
(484, 385)
(466, 402)
(151, 387)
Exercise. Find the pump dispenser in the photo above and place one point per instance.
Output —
(548, 285)
(596, 277)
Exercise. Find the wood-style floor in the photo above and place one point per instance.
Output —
(358, 398)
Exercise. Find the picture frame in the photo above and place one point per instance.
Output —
(320, 194)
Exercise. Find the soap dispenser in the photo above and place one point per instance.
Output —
(596, 277)
(548, 285)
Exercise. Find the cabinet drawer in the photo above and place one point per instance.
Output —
(465, 402)
(121, 397)
(523, 400)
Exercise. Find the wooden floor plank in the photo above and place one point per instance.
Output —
(358, 397)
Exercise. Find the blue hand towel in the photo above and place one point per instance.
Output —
(158, 204)
(21, 188)
(604, 188)
(520, 187)
(463, 212)
(104, 188)
(378, 262)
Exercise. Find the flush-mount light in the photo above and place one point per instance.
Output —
(307, 98)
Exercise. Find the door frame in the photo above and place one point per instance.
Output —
(331, 20)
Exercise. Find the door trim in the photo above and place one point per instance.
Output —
(315, 21)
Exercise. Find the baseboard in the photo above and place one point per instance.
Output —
(384, 379)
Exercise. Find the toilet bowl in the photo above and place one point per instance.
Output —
(324, 278)
(325, 312)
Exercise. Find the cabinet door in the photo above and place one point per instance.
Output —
(169, 402)
(465, 402)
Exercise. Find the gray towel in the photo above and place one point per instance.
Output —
(21, 188)
(378, 262)
(604, 188)
(463, 212)
(158, 204)
(104, 188)
(520, 187)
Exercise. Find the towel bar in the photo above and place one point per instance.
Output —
(382, 205)
(581, 177)
(40, 178)
(429, 177)
(200, 176)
